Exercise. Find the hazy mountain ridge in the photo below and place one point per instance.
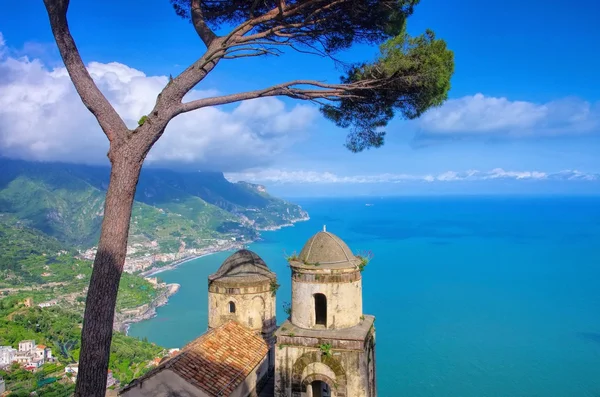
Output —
(65, 201)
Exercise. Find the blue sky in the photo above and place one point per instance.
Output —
(523, 114)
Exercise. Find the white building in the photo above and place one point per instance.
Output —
(52, 302)
(110, 380)
(2, 386)
(72, 369)
(29, 354)
(26, 346)
(39, 353)
(7, 355)
(34, 364)
(22, 358)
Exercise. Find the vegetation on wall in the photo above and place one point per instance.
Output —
(287, 308)
(274, 287)
(325, 349)
(292, 258)
(365, 257)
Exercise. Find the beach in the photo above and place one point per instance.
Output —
(173, 265)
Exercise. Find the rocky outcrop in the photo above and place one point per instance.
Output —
(144, 312)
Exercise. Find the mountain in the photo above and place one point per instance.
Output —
(65, 201)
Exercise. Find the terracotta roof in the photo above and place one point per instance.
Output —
(218, 361)
(41, 346)
(243, 265)
(328, 250)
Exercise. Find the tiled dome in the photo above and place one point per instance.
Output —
(243, 265)
(327, 249)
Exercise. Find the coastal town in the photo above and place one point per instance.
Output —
(146, 258)
(29, 355)
(39, 360)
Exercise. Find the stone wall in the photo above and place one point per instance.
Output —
(346, 372)
(248, 387)
(254, 305)
(342, 289)
(344, 359)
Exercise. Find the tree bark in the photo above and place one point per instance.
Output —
(101, 299)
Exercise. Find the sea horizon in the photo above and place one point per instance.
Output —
(291, 198)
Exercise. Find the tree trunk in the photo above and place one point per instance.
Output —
(101, 299)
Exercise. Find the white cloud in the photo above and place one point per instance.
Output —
(283, 176)
(500, 173)
(42, 118)
(274, 176)
(480, 115)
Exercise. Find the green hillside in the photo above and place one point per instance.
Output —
(55, 203)
(190, 193)
(39, 266)
(60, 330)
(34, 265)
(28, 257)
(66, 201)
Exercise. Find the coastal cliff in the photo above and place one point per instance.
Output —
(143, 312)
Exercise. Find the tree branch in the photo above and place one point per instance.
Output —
(281, 11)
(327, 91)
(221, 47)
(205, 33)
(110, 121)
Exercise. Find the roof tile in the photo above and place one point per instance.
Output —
(218, 361)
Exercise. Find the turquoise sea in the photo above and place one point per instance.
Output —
(474, 296)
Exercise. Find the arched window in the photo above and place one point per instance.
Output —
(231, 307)
(320, 389)
(320, 309)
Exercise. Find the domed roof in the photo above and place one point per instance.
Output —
(243, 265)
(327, 249)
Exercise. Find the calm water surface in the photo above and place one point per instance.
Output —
(474, 297)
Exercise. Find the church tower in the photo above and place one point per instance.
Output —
(243, 289)
(327, 346)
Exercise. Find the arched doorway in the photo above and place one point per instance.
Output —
(318, 385)
(314, 366)
(321, 310)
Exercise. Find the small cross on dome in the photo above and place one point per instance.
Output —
(324, 228)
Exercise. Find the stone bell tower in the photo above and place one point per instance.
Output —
(327, 346)
(243, 289)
